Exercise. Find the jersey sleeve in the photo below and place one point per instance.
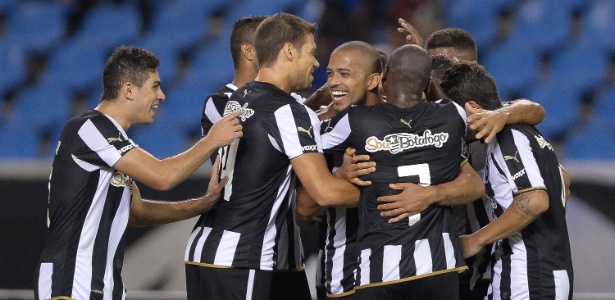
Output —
(293, 130)
(336, 132)
(520, 165)
(103, 143)
(213, 108)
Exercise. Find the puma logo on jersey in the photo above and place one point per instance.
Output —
(245, 92)
(514, 157)
(117, 139)
(308, 131)
(406, 122)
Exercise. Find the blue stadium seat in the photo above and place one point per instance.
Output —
(581, 66)
(77, 65)
(162, 138)
(594, 141)
(110, 25)
(561, 103)
(37, 26)
(181, 25)
(513, 65)
(479, 17)
(7, 6)
(43, 106)
(19, 141)
(13, 63)
(604, 106)
(542, 24)
(184, 103)
(214, 63)
(599, 23)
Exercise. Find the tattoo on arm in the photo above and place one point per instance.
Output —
(521, 207)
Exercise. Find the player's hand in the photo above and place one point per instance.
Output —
(226, 130)
(214, 189)
(412, 200)
(355, 166)
(486, 123)
(412, 35)
(469, 245)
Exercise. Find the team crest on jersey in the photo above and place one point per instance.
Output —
(121, 180)
(542, 143)
(233, 106)
(398, 142)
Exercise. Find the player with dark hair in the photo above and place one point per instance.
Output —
(526, 191)
(92, 196)
(290, 278)
(235, 247)
(454, 43)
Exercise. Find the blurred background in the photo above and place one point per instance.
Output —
(560, 53)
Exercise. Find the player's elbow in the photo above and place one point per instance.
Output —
(540, 205)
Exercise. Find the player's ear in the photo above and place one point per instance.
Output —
(127, 90)
(289, 51)
(373, 81)
(248, 51)
(474, 105)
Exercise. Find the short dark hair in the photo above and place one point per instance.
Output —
(381, 61)
(439, 65)
(467, 81)
(127, 64)
(243, 32)
(275, 31)
(452, 38)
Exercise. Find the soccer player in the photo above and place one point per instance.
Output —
(353, 76)
(458, 45)
(411, 141)
(526, 191)
(234, 248)
(92, 197)
(290, 280)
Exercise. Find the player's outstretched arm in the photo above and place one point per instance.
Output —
(150, 212)
(355, 166)
(487, 123)
(415, 198)
(524, 209)
(166, 173)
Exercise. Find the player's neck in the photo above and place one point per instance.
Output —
(271, 76)
(404, 100)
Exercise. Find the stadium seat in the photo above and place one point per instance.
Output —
(581, 66)
(542, 24)
(561, 103)
(36, 26)
(43, 106)
(184, 103)
(513, 65)
(594, 141)
(13, 63)
(604, 106)
(7, 6)
(599, 23)
(19, 141)
(214, 63)
(479, 17)
(77, 65)
(110, 25)
(180, 25)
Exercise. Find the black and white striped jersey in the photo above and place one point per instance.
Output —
(89, 203)
(245, 229)
(422, 144)
(338, 235)
(536, 262)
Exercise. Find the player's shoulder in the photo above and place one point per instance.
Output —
(223, 92)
